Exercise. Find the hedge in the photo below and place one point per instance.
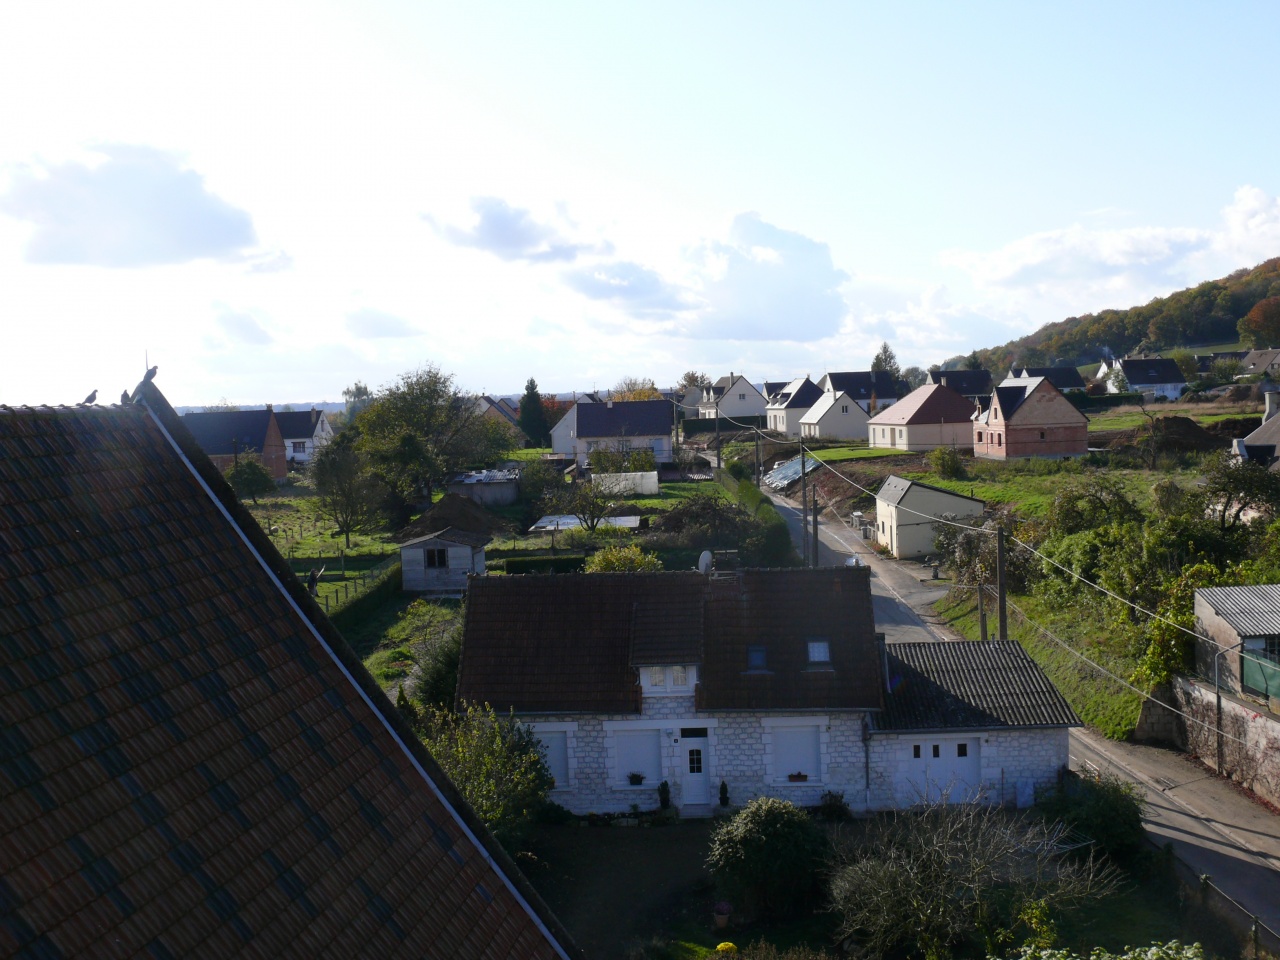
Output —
(354, 611)
(566, 563)
(694, 427)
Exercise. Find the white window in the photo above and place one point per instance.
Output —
(657, 677)
(299, 446)
(640, 752)
(679, 677)
(819, 651)
(797, 750)
(557, 744)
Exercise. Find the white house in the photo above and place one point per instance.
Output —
(440, 562)
(905, 512)
(772, 682)
(304, 432)
(615, 425)
(873, 390)
(835, 415)
(1145, 375)
(929, 417)
(731, 396)
(789, 404)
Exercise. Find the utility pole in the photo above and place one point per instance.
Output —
(1001, 585)
(804, 507)
(815, 524)
(982, 610)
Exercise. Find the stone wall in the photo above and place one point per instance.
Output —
(1248, 750)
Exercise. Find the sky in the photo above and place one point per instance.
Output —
(271, 201)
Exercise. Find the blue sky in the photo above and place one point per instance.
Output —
(275, 200)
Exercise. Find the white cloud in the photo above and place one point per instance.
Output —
(1251, 226)
(243, 328)
(374, 324)
(136, 207)
(512, 233)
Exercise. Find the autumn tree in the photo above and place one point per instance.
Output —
(533, 416)
(1260, 327)
(635, 388)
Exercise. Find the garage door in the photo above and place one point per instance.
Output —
(933, 767)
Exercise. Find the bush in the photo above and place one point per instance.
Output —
(946, 463)
(1173, 950)
(623, 560)
(767, 951)
(768, 857)
(1104, 808)
(833, 808)
(437, 676)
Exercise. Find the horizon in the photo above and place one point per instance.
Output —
(283, 201)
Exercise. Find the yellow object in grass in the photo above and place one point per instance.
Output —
(726, 947)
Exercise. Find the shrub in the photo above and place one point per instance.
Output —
(768, 856)
(1173, 950)
(833, 808)
(767, 951)
(437, 674)
(1104, 808)
(946, 463)
(623, 560)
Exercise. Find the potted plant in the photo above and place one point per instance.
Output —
(635, 778)
(721, 913)
(797, 777)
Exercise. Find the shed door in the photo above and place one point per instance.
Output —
(940, 767)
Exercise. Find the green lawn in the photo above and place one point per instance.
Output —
(839, 454)
(669, 494)
(1126, 418)
(528, 453)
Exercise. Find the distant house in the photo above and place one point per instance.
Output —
(689, 401)
(194, 763)
(304, 432)
(789, 404)
(1236, 620)
(1265, 362)
(771, 387)
(929, 417)
(1155, 375)
(1066, 379)
(1029, 417)
(439, 563)
(906, 512)
(1262, 446)
(731, 396)
(873, 390)
(614, 425)
(501, 412)
(226, 434)
(971, 384)
(835, 415)
(772, 681)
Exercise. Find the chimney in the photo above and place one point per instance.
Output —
(1273, 404)
(269, 407)
(315, 416)
(609, 403)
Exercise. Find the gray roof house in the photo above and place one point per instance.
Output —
(615, 424)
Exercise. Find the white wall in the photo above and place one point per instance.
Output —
(564, 434)
(627, 484)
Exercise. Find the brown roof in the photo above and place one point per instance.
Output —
(932, 403)
(571, 643)
(193, 763)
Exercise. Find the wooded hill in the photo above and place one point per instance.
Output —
(1199, 315)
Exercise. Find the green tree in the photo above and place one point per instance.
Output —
(533, 416)
(768, 856)
(357, 397)
(249, 478)
(495, 761)
(1233, 486)
(886, 360)
(1117, 379)
(422, 428)
(589, 503)
(973, 361)
(619, 559)
(1187, 365)
(1260, 327)
(348, 494)
(915, 376)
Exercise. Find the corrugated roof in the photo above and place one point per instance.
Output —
(970, 685)
(190, 765)
(931, 403)
(1252, 611)
(452, 535)
(625, 418)
(895, 489)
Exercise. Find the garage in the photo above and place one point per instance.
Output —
(935, 767)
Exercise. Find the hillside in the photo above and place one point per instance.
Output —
(1206, 313)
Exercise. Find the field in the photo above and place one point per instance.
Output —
(1126, 418)
(854, 452)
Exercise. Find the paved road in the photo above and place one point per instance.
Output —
(1214, 828)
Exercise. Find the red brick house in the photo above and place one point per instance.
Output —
(1029, 417)
(226, 434)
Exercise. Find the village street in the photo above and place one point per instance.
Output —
(1215, 830)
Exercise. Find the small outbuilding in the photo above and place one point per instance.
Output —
(905, 512)
(1239, 642)
(489, 488)
(440, 562)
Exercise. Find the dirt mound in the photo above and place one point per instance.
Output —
(1174, 434)
(454, 511)
(1234, 427)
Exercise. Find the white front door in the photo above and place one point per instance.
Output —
(695, 774)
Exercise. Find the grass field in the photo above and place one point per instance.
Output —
(528, 453)
(840, 454)
(1126, 418)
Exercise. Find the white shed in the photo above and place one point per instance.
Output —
(439, 563)
(905, 512)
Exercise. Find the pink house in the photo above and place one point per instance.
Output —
(1029, 417)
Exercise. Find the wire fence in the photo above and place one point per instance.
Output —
(341, 588)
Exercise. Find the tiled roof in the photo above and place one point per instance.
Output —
(970, 383)
(969, 685)
(1148, 372)
(770, 387)
(1267, 434)
(1064, 378)
(895, 489)
(1012, 392)
(295, 424)
(1251, 611)
(570, 643)
(932, 403)
(625, 418)
(800, 394)
(452, 535)
(861, 384)
(229, 431)
(192, 761)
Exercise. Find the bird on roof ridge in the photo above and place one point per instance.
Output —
(90, 398)
(151, 374)
(124, 396)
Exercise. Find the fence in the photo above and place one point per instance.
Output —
(333, 594)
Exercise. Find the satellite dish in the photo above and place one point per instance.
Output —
(704, 562)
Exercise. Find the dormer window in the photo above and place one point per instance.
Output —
(657, 677)
(819, 652)
(679, 677)
(756, 659)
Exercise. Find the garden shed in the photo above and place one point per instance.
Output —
(440, 562)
